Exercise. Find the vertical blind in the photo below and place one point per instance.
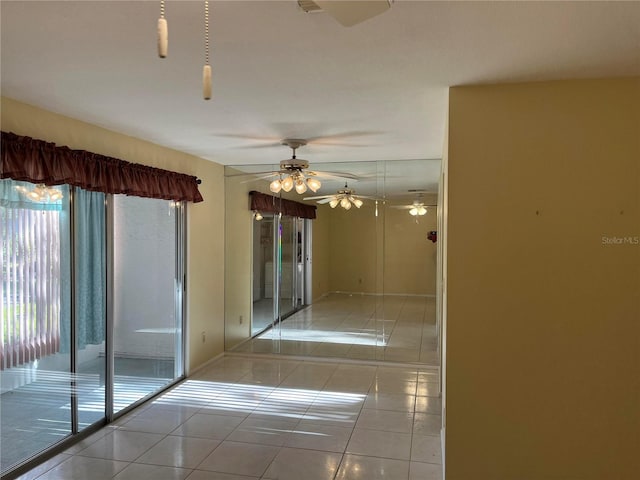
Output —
(30, 287)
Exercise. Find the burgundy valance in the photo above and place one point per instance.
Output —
(271, 204)
(37, 161)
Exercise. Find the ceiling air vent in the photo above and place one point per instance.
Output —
(309, 6)
(347, 12)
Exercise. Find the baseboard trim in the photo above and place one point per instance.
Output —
(422, 295)
(442, 437)
(205, 364)
(353, 361)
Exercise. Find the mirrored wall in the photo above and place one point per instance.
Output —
(357, 281)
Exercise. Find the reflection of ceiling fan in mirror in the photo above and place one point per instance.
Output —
(417, 208)
(294, 172)
(345, 197)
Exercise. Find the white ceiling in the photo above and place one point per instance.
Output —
(375, 91)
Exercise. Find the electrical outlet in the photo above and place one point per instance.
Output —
(204, 337)
(241, 320)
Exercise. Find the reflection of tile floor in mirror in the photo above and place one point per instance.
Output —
(254, 418)
(364, 327)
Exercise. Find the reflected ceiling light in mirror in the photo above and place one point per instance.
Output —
(345, 203)
(345, 197)
(418, 210)
(41, 193)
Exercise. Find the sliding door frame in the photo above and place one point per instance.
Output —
(180, 238)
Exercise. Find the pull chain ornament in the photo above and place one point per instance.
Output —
(206, 70)
(163, 33)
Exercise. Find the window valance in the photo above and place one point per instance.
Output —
(271, 204)
(37, 161)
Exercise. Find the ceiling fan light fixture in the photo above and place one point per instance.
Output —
(287, 184)
(301, 187)
(357, 202)
(334, 203)
(313, 184)
(345, 203)
(413, 211)
(275, 186)
(422, 211)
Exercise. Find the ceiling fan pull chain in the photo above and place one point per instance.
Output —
(163, 33)
(206, 70)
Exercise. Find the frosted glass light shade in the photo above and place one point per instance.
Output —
(345, 203)
(275, 186)
(313, 184)
(287, 184)
(301, 187)
(334, 203)
(413, 211)
(357, 202)
(54, 195)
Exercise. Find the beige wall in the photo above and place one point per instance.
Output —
(409, 257)
(238, 260)
(364, 248)
(205, 266)
(543, 320)
(353, 248)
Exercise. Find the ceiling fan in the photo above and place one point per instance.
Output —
(417, 208)
(345, 197)
(294, 172)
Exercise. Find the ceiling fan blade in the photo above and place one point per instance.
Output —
(246, 174)
(334, 175)
(409, 207)
(263, 177)
(264, 145)
(318, 197)
(325, 200)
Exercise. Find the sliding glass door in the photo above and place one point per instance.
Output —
(287, 265)
(91, 318)
(35, 319)
(263, 274)
(279, 272)
(147, 321)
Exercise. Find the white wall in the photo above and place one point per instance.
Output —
(144, 273)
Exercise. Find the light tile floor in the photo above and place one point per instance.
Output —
(245, 418)
(395, 328)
